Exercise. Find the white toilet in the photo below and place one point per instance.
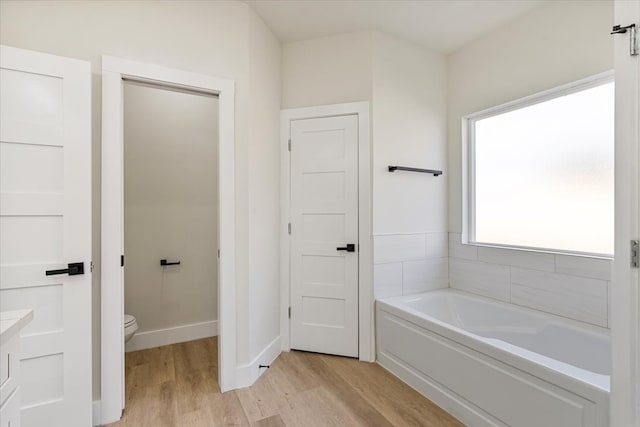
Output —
(130, 327)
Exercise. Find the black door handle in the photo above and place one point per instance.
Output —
(351, 247)
(73, 269)
(164, 262)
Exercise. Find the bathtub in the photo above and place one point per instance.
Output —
(490, 363)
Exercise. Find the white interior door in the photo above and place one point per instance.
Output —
(324, 235)
(625, 315)
(45, 224)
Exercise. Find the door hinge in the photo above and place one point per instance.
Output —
(121, 260)
(289, 312)
(91, 266)
(289, 228)
(635, 253)
(633, 36)
(218, 253)
(289, 145)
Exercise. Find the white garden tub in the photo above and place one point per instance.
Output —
(491, 363)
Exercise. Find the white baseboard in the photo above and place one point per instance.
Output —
(96, 413)
(160, 337)
(248, 374)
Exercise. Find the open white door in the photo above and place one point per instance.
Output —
(45, 221)
(625, 326)
(324, 235)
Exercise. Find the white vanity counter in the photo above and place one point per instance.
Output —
(11, 322)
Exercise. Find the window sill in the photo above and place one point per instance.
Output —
(541, 250)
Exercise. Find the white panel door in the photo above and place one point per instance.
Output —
(45, 224)
(625, 298)
(324, 235)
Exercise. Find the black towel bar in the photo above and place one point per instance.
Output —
(409, 169)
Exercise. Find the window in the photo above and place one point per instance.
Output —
(540, 171)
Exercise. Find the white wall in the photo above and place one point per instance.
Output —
(264, 193)
(557, 43)
(170, 207)
(406, 86)
(327, 70)
(409, 209)
(205, 37)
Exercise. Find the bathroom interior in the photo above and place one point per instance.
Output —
(170, 215)
(483, 290)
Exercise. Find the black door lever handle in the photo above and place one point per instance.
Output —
(73, 269)
(351, 247)
(164, 262)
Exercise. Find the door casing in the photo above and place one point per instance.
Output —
(114, 72)
(366, 348)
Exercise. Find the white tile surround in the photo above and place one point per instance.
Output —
(570, 286)
(410, 263)
(575, 287)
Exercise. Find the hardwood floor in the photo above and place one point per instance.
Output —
(176, 385)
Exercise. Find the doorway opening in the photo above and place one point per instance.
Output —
(170, 237)
(170, 215)
(168, 228)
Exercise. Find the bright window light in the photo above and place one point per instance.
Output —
(541, 175)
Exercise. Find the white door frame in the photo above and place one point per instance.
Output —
(114, 70)
(366, 349)
(625, 304)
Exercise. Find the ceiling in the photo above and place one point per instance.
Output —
(440, 25)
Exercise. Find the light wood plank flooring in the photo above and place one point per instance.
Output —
(176, 385)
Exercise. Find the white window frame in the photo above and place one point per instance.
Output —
(469, 159)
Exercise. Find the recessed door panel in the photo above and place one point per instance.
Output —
(323, 312)
(324, 228)
(323, 270)
(323, 192)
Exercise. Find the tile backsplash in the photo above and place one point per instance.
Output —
(575, 287)
(410, 263)
(569, 286)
